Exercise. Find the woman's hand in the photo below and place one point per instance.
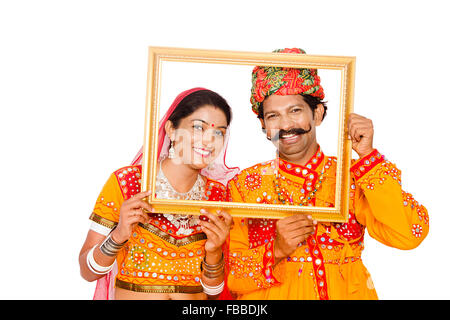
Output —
(217, 230)
(131, 213)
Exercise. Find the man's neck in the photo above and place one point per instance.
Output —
(302, 157)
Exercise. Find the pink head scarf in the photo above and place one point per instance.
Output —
(219, 171)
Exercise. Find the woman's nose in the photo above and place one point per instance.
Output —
(208, 137)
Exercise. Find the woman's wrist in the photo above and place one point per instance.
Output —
(117, 237)
(214, 257)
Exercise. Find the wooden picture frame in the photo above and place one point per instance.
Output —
(344, 65)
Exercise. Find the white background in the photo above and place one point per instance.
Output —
(72, 99)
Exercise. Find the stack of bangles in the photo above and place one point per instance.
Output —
(212, 271)
(109, 248)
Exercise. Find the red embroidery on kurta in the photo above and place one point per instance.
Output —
(350, 230)
(261, 231)
(318, 267)
(365, 164)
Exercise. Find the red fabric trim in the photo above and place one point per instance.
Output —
(299, 170)
(318, 266)
(129, 183)
(260, 231)
(365, 164)
(268, 262)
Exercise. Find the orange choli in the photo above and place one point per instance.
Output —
(156, 258)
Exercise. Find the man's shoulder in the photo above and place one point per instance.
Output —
(256, 171)
(262, 167)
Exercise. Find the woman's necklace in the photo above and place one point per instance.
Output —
(164, 190)
(304, 198)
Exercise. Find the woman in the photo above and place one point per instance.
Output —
(164, 256)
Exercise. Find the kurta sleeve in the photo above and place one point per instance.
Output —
(391, 215)
(251, 267)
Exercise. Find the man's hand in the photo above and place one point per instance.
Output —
(292, 231)
(360, 131)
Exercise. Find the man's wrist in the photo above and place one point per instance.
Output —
(365, 153)
(278, 254)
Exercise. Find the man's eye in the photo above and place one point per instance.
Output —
(270, 116)
(296, 110)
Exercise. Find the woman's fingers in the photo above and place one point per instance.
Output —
(219, 232)
(138, 216)
(137, 204)
(211, 235)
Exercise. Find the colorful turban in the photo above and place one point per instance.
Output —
(284, 81)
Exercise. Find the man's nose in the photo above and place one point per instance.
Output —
(286, 123)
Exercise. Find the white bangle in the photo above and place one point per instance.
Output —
(94, 266)
(212, 291)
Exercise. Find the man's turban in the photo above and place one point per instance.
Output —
(284, 81)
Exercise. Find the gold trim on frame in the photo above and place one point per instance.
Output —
(158, 55)
(157, 289)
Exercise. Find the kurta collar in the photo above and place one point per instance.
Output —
(303, 171)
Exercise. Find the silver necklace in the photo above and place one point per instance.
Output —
(164, 190)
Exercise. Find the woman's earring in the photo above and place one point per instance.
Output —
(171, 151)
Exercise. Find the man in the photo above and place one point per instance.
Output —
(297, 257)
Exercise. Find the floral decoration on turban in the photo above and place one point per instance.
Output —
(284, 81)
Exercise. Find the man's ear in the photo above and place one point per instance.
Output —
(170, 130)
(318, 114)
(263, 126)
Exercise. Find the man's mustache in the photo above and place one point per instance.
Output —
(282, 133)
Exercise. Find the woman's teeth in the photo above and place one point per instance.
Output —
(203, 152)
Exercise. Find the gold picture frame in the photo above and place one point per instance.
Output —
(158, 55)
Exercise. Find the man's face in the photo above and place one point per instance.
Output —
(291, 124)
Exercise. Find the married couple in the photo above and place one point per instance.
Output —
(136, 253)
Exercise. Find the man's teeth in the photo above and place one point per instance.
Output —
(202, 152)
(288, 135)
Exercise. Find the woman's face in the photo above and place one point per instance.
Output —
(199, 138)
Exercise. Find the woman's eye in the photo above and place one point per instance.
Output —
(197, 127)
(218, 133)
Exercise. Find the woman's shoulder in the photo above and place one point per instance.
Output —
(128, 170)
(128, 179)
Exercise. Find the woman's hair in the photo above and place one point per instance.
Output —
(195, 101)
(310, 100)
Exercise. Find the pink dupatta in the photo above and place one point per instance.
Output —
(220, 172)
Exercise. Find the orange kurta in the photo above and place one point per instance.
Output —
(155, 258)
(328, 264)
